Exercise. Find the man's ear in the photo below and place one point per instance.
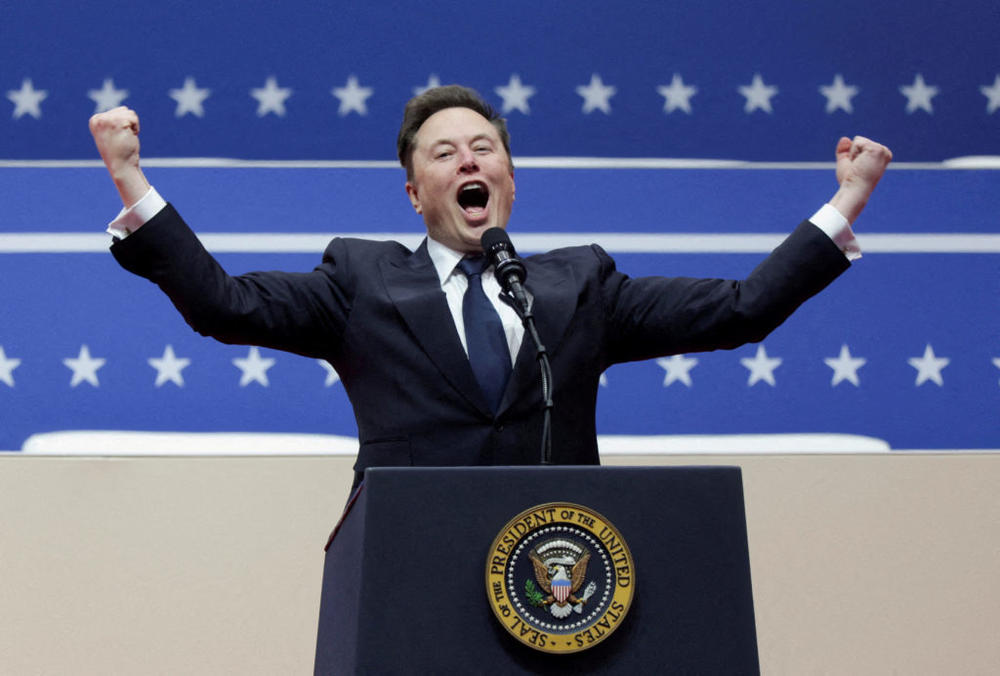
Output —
(411, 191)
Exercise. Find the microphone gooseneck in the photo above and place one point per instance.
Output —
(510, 272)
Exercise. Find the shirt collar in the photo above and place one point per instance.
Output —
(443, 258)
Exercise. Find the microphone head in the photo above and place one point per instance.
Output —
(496, 239)
(500, 252)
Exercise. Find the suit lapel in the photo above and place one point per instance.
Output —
(415, 290)
(553, 304)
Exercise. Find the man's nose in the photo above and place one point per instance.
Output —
(468, 161)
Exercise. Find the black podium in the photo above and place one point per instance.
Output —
(404, 584)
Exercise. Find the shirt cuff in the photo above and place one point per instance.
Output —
(836, 227)
(128, 220)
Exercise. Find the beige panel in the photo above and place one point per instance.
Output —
(862, 564)
(163, 565)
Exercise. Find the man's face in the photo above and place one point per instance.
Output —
(462, 181)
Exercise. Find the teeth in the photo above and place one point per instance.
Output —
(473, 186)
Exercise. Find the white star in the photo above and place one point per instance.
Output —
(996, 361)
(7, 367)
(84, 367)
(761, 367)
(928, 367)
(596, 95)
(838, 95)
(189, 99)
(677, 95)
(845, 367)
(919, 95)
(515, 95)
(432, 82)
(271, 98)
(169, 367)
(758, 95)
(992, 94)
(27, 100)
(678, 367)
(254, 368)
(331, 373)
(107, 97)
(352, 97)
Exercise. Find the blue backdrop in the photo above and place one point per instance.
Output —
(84, 54)
(771, 84)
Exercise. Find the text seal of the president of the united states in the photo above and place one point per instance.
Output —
(560, 577)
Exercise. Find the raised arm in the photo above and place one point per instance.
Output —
(860, 164)
(116, 133)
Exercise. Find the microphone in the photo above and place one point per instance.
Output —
(509, 269)
(510, 273)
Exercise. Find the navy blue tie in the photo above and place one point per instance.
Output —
(484, 335)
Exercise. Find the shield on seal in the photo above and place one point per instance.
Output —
(560, 589)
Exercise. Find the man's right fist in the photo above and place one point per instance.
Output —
(116, 133)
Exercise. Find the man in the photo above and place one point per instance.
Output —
(392, 321)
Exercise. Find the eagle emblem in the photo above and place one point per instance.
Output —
(560, 569)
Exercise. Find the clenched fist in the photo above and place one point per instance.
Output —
(860, 164)
(116, 133)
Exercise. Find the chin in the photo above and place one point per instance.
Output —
(473, 244)
(475, 231)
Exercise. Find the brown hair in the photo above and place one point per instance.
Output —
(435, 99)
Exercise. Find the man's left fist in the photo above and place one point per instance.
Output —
(861, 162)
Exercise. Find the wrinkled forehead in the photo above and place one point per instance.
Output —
(452, 125)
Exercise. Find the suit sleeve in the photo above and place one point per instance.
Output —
(659, 316)
(303, 313)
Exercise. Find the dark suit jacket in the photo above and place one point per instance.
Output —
(377, 313)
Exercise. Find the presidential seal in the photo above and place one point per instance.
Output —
(560, 577)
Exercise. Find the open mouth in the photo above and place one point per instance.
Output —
(472, 197)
